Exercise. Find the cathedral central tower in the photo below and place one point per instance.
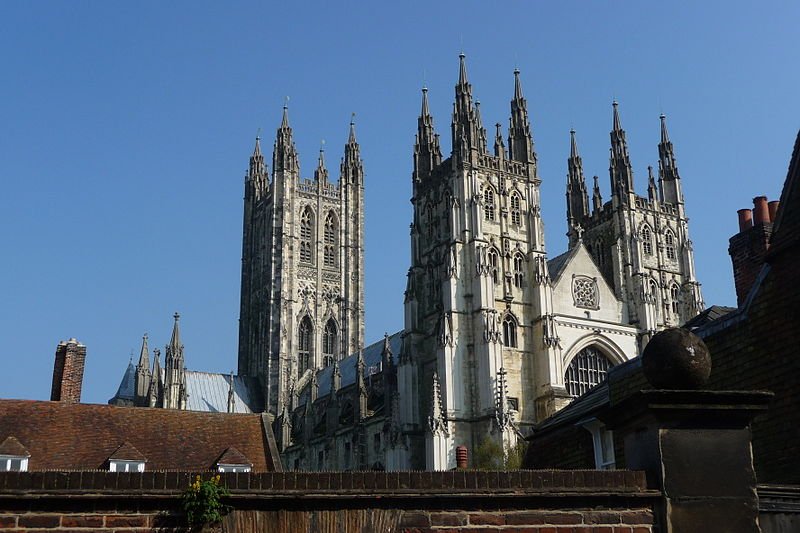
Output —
(302, 295)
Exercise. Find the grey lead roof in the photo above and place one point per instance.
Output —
(347, 366)
(207, 391)
(127, 386)
(556, 265)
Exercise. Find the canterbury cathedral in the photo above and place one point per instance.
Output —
(497, 335)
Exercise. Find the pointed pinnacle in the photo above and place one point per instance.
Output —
(175, 341)
(664, 134)
(257, 149)
(617, 123)
(321, 160)
(462, 70)
(351, 139)
(426, 112)
(573, 147)
(517, 85)
(285, 118)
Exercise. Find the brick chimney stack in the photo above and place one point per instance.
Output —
(68, 372)
(747, 248)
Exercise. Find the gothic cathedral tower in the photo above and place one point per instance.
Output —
(302, 295)
(641, 245)
(477, 285)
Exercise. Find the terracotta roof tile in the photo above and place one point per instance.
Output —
(11, 446)
(127, 452)
(232, 456)
(61, 436)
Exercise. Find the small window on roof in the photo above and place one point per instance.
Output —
(126, 458)
(232, 460)
(121, 465)
(13, 456)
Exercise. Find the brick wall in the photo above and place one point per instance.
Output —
(747, 249)
(412, 502)
(68, 372)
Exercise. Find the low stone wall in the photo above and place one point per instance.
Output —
(491, 502)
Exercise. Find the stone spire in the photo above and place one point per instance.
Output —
(321, 173)
(479, 126)
(256, 180)
(155, 395)
(387, 360)
(143, 375)
(499, 145)
(437, 420)
(520, 140)
(352, 167)
(620, 169)
(597, 199)
(465, 127)
(427, 153)
(174, 365)
(652, 191)
(284, 154)
(669, 179)
(577, 196)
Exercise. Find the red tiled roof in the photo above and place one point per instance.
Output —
(127, 452)
(11, 446)
(232, 456)
(62, 436)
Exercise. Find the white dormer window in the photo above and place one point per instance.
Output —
(233, 467)
(121, 465)
(13, 463)
(13, 456)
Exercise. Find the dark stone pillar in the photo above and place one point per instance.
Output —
(695, 447)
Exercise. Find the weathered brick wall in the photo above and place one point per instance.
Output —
(411, 502)
(68, 372)
(747, 250)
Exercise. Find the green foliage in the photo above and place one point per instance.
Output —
(202, 502)
(490, 455)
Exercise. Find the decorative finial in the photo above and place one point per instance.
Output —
(286, 102)
(176, 316)
(258, 134)
(352, 118)
(322, 145)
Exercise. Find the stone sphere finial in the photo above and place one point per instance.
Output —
(676, 359)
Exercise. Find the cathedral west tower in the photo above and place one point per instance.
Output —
(302, 293)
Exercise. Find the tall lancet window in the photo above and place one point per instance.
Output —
(307, 236)
(494, 268)
(331, 250)
(509, 331)
(488, 204)
(305, 343)
(669, 242)
(519, 265)
(647, 240)
(674, 295)
(516, 211)
(329, 343)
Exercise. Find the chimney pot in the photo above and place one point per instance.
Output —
(745, 219)
(760, 210)
(773, 209)
(461, 457)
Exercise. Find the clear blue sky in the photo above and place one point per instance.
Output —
(126, 127)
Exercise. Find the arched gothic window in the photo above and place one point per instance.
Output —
(331, 248)
(675, 294)
(305, 343)
(509, 331)
(516, 211)
(494, 269)
(307, 236)
(669, 242)
(488, 204)
(329, 343)
(653, 290)
(519, 265)
(647, 240)
(586, 370)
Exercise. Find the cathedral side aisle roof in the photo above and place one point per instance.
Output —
(208, 391)
(347, 366)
